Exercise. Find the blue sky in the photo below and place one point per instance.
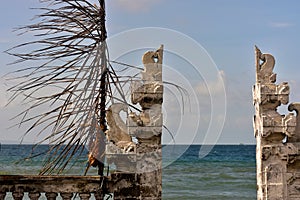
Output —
(226, 29)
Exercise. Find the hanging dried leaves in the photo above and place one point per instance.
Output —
(72, 76)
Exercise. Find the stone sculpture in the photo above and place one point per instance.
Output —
(138, 164)
(277, 135)
(117, 132)
(265, 70)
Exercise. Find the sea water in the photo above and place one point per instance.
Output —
(226, 172)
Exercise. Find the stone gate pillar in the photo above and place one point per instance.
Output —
(277, 135)
(135, 147)
(147, 126)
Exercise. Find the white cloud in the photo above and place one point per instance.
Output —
(6, 82)
(4, 40)
(212, 87)
(281, 24)
(137, 5)
(3, 93)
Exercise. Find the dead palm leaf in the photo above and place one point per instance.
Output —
(72, 62)
(69, 72)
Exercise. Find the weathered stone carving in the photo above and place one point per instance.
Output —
(140, 161)
(277, 135)
(265, 70)
(120, 150)
(152, 61)
(147, 125)
(296, 107)
(117, 132)
(150, 90)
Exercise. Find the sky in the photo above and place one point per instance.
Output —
(217, 33)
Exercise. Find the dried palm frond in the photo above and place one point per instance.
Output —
(72, 75)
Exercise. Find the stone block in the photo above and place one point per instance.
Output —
(152, 72)
(145, 132)
(145, 144)
(274, 173)
(112, 149)
(274, 123)
(267, 93)
(275, 192)
(148, 162)
(149, 190)
(150, 177)
(147, 93)
(151, 117)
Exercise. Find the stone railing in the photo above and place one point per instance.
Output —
(117, 186)
(66, 187)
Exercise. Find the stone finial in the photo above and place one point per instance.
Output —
(151, 57)
(152, 61)
(150, 90)
(264, 70)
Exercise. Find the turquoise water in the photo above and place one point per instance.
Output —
(227, 172)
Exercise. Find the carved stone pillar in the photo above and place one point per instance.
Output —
(138, 163)
(147, 126)
(277, 135)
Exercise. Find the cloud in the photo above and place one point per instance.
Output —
(137, 5)
(281, 24)
(4, 40)
(217, 86)
(3, 93)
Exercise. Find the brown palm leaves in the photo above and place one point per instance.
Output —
(70, 74)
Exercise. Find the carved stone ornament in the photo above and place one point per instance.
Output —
(277, 135)
(134, 140)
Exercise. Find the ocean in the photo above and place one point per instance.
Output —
(217, 172)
